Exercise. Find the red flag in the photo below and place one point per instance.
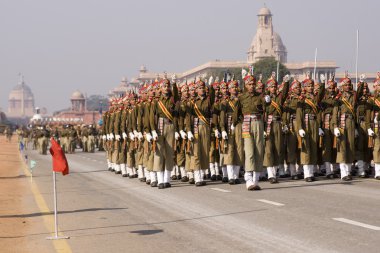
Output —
(59, 159)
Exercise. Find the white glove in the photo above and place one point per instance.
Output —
(108, 137)
(104, 137)
(224, 135)
(135, 133)
(285, 129)
(322, 77)
(148, 137)
(302, 133)
(139, 136)
(336, 132)
(320, 132)
(154, 135)
(356, 133)
(125, 136)
(176, 135)
(117, 137)
(131, 136)
(190, 135)
(111, 136)
(362, 78)
(286, 78)
(232, 127)
(267, 99)
(371, 132)
(183, 134)
(217, 134)
(375, 120)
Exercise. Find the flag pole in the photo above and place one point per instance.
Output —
(357, 57)
(315, 63)
(56, 237)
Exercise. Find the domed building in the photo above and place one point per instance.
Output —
(78, 113)
(266, 43)
(21, 101)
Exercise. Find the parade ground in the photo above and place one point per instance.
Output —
(104, 212)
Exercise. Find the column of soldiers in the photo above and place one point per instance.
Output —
(193, 131)
(89, 137)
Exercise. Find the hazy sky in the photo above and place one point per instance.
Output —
(61, 46)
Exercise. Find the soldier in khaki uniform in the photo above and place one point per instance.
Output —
(198, 122)
(111, 136)
(291, 136)
(215, 135)
(363, 153)
(162, 123)
(151, 176)
(139, 108)
(223, 144)
(181, 108)
(232, 142)
(344, 125)
(250, 109)
(375, 122)
(274, 127)
(327, 105)
(308, 127)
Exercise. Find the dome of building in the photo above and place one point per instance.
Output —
(264, 12)
(21, 91)
(277, 42)
(77, 95)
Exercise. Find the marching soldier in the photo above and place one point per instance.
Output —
(181, 137)
(250, 109)
(363, 119)
(274, 127)
(308, 127)
(198, 122)
(375, 120)
(344, 125)
(162, 123)
(327, 104)
(91, 139)
(232, 144)
(291, 136)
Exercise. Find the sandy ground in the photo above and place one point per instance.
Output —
(22, 227)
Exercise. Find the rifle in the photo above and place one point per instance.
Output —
(189, 147)
(216, 143)
(183, 145)
(224, 146)
(154, 146)
(320, 141)
(299, 140)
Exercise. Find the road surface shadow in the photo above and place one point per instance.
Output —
(147, 232)
(137, 224)
(16, 177)
(30, 215)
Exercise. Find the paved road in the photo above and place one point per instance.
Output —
(103, 212)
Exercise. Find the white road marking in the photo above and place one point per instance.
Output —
(270, 202)
(356, 223)
(220, 190)
(93, 160)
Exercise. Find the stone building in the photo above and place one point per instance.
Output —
(266, 43)
(21, 101)
(77, 112)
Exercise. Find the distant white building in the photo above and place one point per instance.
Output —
(21, 101)
(266, 43)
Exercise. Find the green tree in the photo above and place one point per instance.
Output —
(95, 102)
(267, 66)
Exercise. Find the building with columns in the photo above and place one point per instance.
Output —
(266, 43)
